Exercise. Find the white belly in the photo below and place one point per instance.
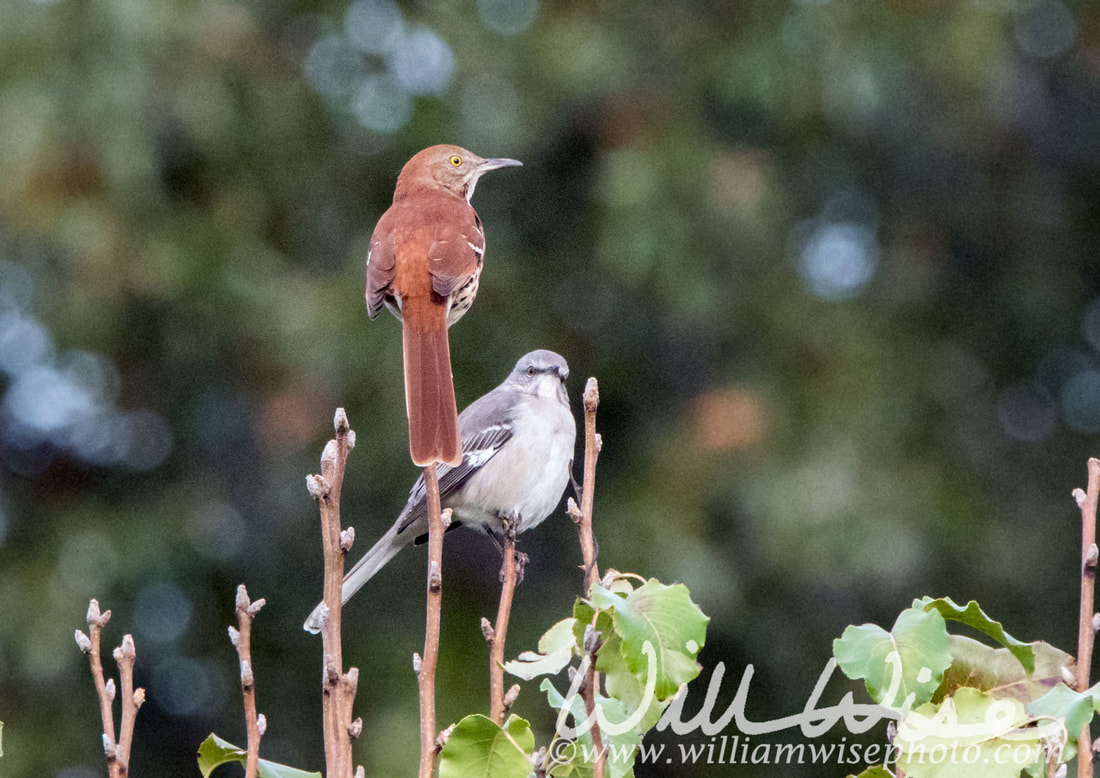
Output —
(527, 484)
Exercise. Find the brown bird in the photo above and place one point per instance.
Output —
(423, 264)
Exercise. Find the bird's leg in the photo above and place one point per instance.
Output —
(506, 541)
(498, 542)
(521, 558)
(508, 527)
(577, 490)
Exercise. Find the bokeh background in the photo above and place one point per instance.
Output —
(835, 265)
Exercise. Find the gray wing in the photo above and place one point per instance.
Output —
(486, 426)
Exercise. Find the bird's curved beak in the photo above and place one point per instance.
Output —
(497, 162)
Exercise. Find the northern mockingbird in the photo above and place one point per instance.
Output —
(517, 444)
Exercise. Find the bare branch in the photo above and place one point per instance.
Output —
(1086, 633)
(125, 656)
(116, 751)
(338, 689)
(246, 610)
(426, 670)
(510, 575)
(582, 516)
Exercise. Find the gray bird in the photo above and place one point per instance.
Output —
(517, 456)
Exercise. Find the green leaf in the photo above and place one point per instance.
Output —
(583, 613)
(998, 671)
(649, 638)
(627, 687)
(565, 759)
(575, 759)
(973, 616)
(900, 668)
(664, 618)
(972, 734)
(519, 730)
(479, 748)
(1074, 708)
(215, 752)
(607, 599)
(556, 648)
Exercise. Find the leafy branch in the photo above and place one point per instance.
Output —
(641, 636)
(954, 695)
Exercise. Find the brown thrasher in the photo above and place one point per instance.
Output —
(423, 264)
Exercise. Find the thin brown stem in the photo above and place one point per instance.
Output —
(509, 577)
(242, 639)
(583, 517)
(427, 664)
(338, 689)
(125, 655)
(105, 693)
(117, 751)
(1086, 632)
(592, 643)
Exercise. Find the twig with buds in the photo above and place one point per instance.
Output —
(1086, 632)
(116, 751)
(338, 687)
(582, 517)
(241, 638)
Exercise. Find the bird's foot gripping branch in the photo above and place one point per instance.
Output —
(964, 708)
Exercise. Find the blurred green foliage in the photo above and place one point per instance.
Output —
(834, 265)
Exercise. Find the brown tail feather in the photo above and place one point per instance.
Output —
(429, 386)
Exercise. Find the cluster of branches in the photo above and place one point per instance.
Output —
(117, 750)
(339, 686)
(855, 652)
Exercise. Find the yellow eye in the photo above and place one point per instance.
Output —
(456, 160)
